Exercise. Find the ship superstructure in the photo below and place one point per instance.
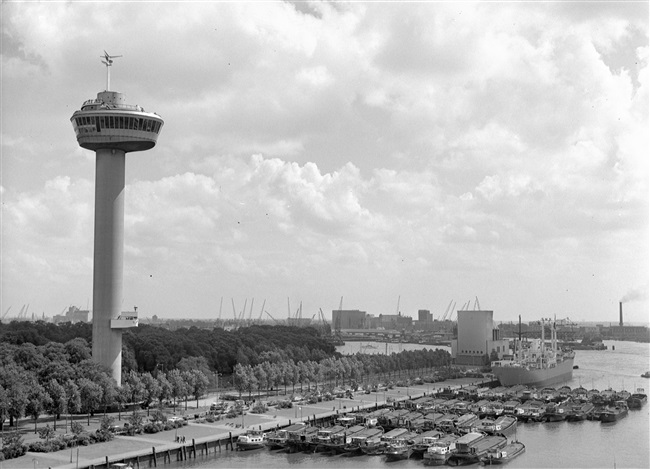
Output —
(536, 362)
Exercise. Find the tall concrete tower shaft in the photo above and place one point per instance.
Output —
(108, 265)
(111, 128)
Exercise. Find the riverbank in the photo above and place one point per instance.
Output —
(198, 435)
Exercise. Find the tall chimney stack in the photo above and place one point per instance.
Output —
(620, 313)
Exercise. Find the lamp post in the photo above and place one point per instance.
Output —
(216, 379)
(301, 413)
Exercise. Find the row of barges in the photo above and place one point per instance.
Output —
(450, 427)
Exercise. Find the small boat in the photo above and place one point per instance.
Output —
(505, 425)
(466, 422)
(302, 439)
(422, 442)
(438, 453)
(614, 413)
(646, 374)
(555, 413)
(324, 437)
(638, 399)
(472, 453)
(339, 440)
(503, 455)
(278, 439)
(579, 412)
(252, 439)
(379, 443)
(400, 448)
(359, 439)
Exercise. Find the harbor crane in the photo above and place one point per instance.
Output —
(243, 311)
(269, 314)
(250, 313)
(262, 310)
(449, 308)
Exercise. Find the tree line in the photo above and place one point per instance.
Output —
(354, 370)
(45, 371)
(149, 348)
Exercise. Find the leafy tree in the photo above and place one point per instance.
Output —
(91, 396)
(37, 401)
(178, 385)
(261, 377)
(136, 386)
(46, 432)
(194, 363)
(109, 391)
(104, 432)
(76, 428)
(165, 388)
(4, 406)
(199, 383)
(136, 423)
(188, 387)
(244, 379)
(58, 400)
(151, 389)
(15, 381)
(122, 397)
(78, 350)
(73, 398)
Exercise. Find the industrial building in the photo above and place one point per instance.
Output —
(478, 337)
(73, 315)
(348, 319)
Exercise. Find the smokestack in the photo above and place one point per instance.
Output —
(620, 313)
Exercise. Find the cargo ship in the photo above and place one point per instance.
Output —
(536, 363)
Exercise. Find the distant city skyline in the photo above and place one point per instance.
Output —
(372, 151)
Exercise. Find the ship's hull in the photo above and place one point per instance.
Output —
(512, 375)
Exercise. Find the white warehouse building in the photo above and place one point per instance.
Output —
(478, 337)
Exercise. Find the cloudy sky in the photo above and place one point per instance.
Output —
(372, 151)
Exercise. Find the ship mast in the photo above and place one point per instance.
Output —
(542, 344)
(554, 338)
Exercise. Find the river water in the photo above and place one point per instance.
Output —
(587, 444)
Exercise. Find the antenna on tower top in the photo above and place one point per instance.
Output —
(108, 61)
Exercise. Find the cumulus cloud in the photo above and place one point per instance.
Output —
(309, 146)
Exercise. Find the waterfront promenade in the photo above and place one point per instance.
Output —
(124, 446)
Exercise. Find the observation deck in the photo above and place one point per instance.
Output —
(125, 320)
(108, 122)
